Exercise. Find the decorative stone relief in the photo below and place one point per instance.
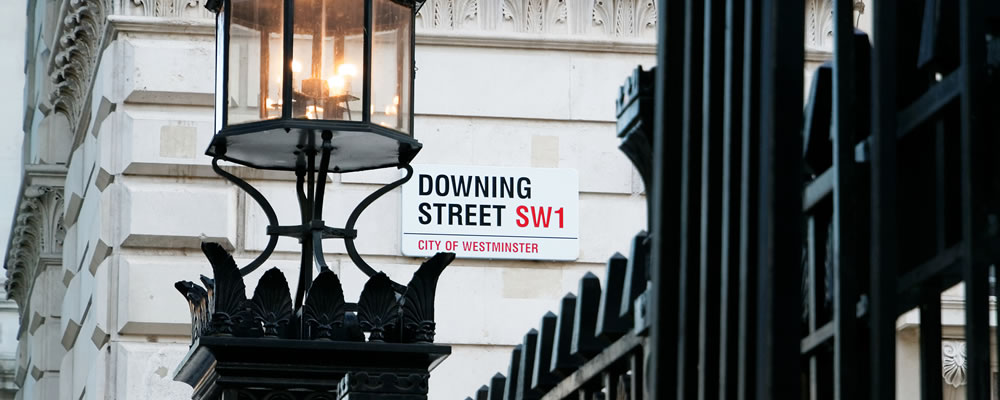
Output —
(819, 23)
(38, 230)
(166, 8)
(625, 18)
(539, 16)
(448, 14)
(78, 46)
(953, 365)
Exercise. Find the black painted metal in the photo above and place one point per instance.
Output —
(803, 239)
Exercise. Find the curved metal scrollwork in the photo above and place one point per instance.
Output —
(272, 218)
(352, 251)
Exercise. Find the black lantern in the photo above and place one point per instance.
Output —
(312, 87)
(290, 71)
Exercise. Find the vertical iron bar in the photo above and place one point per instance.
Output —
(845, 377)
(665, 210)
(731, 156)
(712, 107)
(780, 224)
(882, 315)
(286, 64)
(747, 356)
(690, 207)
(366, 96)
(975, 178)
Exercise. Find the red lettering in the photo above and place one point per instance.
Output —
(560, 212)
(541, 219)
(522, 219)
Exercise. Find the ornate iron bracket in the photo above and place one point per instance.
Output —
(352, 251)
(311, 203)
(272, 218)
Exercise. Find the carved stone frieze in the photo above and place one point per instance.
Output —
(601, 18)
(448, 14)
(953, 365)
(166, 8)
(538, 16)
(625, 18)
(38, 230)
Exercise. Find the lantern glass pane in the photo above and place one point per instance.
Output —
(392, 65)
(255, 59)
(328, 59)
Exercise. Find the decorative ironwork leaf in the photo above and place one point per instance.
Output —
(272, 304)
(197, 298)
(378, 309)
(227, 293)
(324, 307)
(418, 302)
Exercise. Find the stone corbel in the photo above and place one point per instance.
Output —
(37, 232)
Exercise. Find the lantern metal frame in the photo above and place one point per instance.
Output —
(315, 148)
(408, 147)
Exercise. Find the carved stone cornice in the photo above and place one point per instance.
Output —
(37, 232)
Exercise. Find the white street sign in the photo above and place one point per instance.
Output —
(491, 212)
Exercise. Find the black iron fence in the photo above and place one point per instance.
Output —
(783, 244)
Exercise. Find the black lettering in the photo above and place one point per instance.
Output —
(439, 207)
(499, 208)
(424, 178)
(524, 188)
(494, 187)
(482, 187)
(454, 212)
(470, 211)
(507, 186)
(462, 186)
(425, 215)
(442, 188)
(484, 213)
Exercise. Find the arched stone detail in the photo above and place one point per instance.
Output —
(38, 230)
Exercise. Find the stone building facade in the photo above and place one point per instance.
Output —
(116, 195)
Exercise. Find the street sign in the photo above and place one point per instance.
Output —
(491, 212)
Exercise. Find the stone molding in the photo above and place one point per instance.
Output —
(953, 364)
(38, 231)
(598, 18)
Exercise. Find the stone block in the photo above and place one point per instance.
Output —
(146, 370)
(599, 239)
(148, 303)
(595, 79)
(489, 77)
(84, 362)
(164, 140)
(44, 351)
(196, 210)
(151, 73)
